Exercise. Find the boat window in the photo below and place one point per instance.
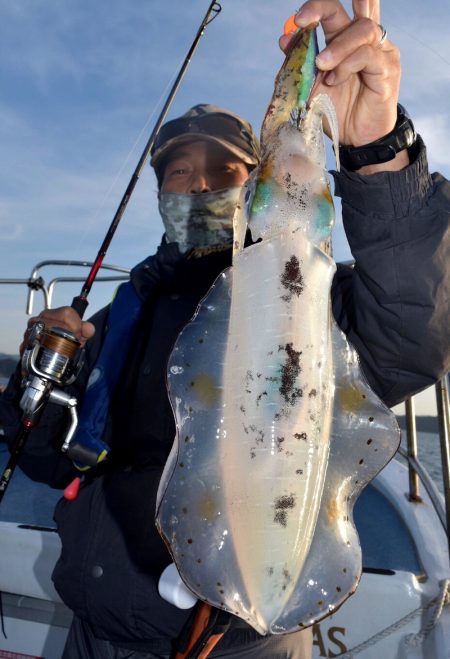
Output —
(385, 539)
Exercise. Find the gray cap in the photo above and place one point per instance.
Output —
(211, 123)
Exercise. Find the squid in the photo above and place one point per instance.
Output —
(278, 430)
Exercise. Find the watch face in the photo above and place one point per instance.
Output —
(410, 135)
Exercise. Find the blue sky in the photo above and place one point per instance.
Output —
(82, 83)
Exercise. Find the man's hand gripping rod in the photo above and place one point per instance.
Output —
(53, 356)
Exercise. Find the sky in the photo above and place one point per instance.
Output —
(82, 84)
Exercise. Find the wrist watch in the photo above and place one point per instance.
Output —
(403, 136)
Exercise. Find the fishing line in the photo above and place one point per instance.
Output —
(89, 230)
(80, 302)
(213, 12)
(422, 43)
(413, 37)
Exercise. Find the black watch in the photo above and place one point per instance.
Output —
(386, 148)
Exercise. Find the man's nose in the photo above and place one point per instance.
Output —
(199, 183)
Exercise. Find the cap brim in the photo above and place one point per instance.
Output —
(168, 146)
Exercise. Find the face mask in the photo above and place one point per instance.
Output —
(199, 220)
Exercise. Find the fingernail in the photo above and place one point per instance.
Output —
(301, 19)
(330, 78)
(324, 58)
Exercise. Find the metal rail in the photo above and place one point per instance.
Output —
(60, 280)
(58, 262)
(36, 283)
(443, 409)
(411, 437)
(429, 485)
(416, 471)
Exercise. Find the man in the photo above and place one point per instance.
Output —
(394, 312)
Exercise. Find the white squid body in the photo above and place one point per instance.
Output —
(277, 429)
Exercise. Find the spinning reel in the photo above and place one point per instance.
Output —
(52, 357)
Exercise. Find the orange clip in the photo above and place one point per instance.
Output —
(290, 25)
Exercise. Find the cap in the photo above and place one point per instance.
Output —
(211, 123)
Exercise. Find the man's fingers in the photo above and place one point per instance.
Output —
(87, 330)
(367, 9)
(284, 41)
(376, 71)
(65, 318)
(331, 15)
(361, 33)
(32, 321)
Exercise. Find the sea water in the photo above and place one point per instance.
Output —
(430, 456)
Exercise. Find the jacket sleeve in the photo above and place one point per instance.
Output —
(42, 459)
(394, 305)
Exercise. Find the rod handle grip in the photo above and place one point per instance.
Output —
(84, 455)
(80, 304)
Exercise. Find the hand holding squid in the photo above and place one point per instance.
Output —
(359, 70)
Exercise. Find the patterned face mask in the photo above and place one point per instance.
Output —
(199, 220)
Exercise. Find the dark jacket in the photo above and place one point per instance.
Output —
(394, 306)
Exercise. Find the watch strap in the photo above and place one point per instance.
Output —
(403, 136)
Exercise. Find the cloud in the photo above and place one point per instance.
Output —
(434, 129)
(101, 44)
(10, 231)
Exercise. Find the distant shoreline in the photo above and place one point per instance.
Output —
(8, 364)
(423, 423)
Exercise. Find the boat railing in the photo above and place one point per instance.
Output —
(417, 474)
(36, 282)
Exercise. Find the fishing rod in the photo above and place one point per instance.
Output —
(54, 356)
